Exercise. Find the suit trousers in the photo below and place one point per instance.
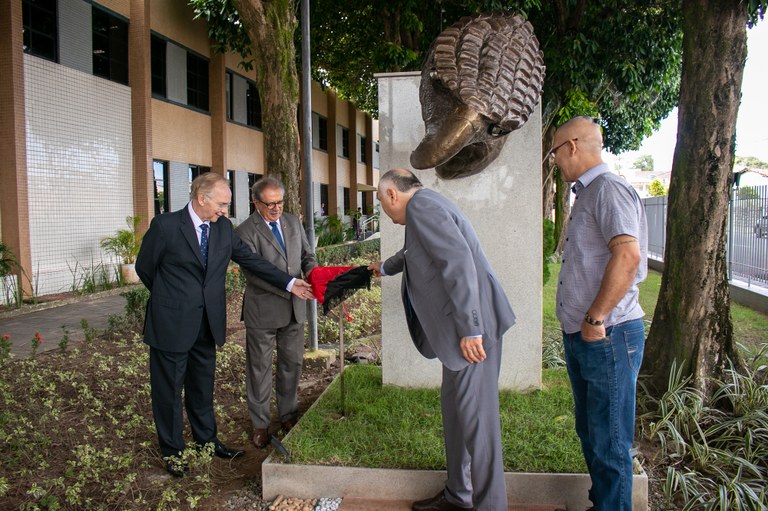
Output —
(472, 432)
(193, 371)
(258, 377)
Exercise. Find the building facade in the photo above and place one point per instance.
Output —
(110, 108)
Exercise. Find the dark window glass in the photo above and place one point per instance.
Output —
(196, 170)
(40, 28)
(345, 142)
(231, 179)
(322, 128)
(197, 82)
(362, 149)
(253, 106)
(252, 178)
(347, 203)
(323, 199)
(110, 46)
(159, 70)
(160, 169)
(228, 86)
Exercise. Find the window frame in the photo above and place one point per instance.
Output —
(159, 65)
(32, 33)
(114, 47)
(198, 73)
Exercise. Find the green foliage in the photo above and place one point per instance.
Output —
(331, 230)
(340, 255)
(751, 162)
(657, 189)
(7, 260)
(715, 450)
(125, 243)
(644, 163)
(548, 245)
(136, 300)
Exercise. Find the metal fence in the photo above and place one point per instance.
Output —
(747, 242)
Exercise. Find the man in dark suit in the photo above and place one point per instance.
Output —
(183, 262)
(272, 316)
(457, 311)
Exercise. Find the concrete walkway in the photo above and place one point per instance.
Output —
(55, 319)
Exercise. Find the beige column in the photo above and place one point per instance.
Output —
(333, 141)
(354, 151)
(218, 106)
(14, 200)
(140, 73)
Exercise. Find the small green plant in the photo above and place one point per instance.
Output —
(125, 243)
(90, 332)
(136, 303)
(5, 347)
(37, 340)
(64, 342)
(331, 230)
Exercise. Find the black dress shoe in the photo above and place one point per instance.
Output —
(222, 451)
(177, 468)
(437, 503)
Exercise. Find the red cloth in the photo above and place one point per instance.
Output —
(331, 284)
(321, 276)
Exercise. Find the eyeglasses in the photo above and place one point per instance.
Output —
(219, 205)
(551, 154)
(272, 205)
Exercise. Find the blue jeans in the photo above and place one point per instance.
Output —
(603, 376)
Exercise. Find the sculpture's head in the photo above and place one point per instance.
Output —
(481, 79)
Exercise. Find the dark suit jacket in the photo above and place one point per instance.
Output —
(264, 305)
(449, 289)
(170, 265)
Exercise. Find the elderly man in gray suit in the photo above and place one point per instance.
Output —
(457, 311)
(272, 316)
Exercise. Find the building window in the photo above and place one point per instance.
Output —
(228, 86)
(110, 46)
(159, 72)
(362, 149)
(252, 178)
(253, 106)
(323, 200)
(345, 142)
(231, 179)
(347, 203)
(322, 133)
(40, 28)
(194, 171)
(160, 169)
(197, 82)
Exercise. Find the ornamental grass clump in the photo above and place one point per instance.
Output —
(715, 451)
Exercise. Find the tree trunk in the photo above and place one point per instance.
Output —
(692, 323)
(271, 25)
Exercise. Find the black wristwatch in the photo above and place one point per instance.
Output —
(591, 321)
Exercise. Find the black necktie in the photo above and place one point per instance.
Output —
(276, 232)
(204, 243)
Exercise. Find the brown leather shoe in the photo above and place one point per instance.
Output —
(288, 425)
(437, 503)
(260, 438)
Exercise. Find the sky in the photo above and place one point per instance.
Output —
(752, 121)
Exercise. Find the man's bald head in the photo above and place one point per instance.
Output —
(577, 146)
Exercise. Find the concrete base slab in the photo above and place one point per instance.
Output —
(311, 481)
(358, 504)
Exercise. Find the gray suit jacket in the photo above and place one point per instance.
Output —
(449, 289)
(264, 305)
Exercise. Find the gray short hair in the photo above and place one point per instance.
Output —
(205, 183)
(262, 184)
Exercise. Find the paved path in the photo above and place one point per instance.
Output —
(49, 318)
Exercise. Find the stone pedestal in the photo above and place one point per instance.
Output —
(503, 202)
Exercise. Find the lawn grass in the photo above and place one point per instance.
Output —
(393, 427)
